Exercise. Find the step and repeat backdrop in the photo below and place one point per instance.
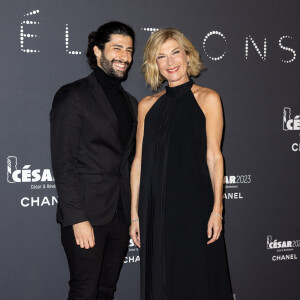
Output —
(251, 51)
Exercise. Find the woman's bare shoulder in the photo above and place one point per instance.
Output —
(146, 103)
(204, 92)
(205, 96)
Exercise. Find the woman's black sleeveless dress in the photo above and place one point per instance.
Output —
(176, 199)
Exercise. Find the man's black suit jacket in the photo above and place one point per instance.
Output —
(90, 165)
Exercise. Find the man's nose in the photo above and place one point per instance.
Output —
(124, 55)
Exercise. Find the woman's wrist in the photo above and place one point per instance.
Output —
(216, 214)
(134, 215)
(218, 209)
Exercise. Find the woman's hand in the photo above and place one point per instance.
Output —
(134, 232)
(214, 228)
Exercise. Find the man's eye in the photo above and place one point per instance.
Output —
(117, 48)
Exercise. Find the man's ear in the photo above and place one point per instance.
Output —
(97, 52)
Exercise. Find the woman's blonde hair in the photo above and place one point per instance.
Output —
(152, 49)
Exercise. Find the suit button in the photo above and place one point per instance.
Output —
(120, 176)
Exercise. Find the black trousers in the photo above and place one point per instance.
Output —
(94, 272)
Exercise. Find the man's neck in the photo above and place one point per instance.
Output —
(106, 80)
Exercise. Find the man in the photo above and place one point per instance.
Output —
(93, 125)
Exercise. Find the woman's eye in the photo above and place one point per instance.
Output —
(160, 57)
(176, 52)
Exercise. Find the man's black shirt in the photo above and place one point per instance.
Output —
(113, 91)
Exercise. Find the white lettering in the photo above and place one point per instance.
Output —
(263, 55)
(231, 179)
(23, 201)
(45, 202)
(297, 123)
(293, 124)
(51, 186)
(289, 124)
(218, 33)
(131, 243)
(24, 35)
(36, 186)
(46, 175)
(281, 244)
(36, 175)
(284, 257)
(26, 175)
(233, 196)
(26, 201)
(287, 49)
(296, 147)
(37, 201)
(54, 200)
(15, 176)
(67, 39)
(131, 259)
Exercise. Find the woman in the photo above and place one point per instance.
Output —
(176, 178)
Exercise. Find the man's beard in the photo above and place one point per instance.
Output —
(107, 67)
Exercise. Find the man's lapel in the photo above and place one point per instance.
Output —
(133, 110)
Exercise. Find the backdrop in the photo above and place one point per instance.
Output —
(250, 49)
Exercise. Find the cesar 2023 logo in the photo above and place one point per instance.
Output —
(291, 124)
(26, 174)
(285, 249)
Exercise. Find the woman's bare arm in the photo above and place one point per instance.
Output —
(135, 174)
(211, 105)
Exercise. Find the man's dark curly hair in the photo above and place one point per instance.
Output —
(100, 37)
